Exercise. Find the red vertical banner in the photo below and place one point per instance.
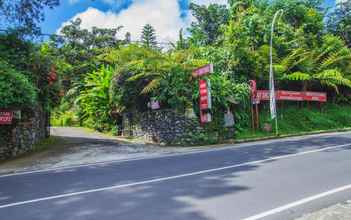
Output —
(205, 101)
(203, 94)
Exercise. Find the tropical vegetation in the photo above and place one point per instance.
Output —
(102, 76)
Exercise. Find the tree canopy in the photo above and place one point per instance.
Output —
(148, 36)
(103, 75)
(24, 15)
(339, 21)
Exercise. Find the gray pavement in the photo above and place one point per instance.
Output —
(229, 183)
(76, 146)
(341, 211)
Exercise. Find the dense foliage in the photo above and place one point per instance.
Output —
(339, 21)
(124, 77)
(30, 65)
(24, 15)
(103, 77)
(16, 89)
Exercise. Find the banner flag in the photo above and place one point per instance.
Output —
(272, 97)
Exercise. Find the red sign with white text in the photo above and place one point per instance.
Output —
(263, 95)
(316, 96)
(6, 117)
(204, 104)
(205, 101)
(203, 70)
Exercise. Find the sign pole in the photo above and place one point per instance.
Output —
(273, 104)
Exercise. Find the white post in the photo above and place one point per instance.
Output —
(273, 106)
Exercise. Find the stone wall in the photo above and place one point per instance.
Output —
(163, 126)
(21, 136)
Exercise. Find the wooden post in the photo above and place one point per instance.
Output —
(257, 117)
(253, 117)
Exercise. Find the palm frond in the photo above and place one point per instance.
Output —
(154, 84)
(333, 78)
(296, 57)
(297, 76)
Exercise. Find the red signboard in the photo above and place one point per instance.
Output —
(204, 104)
(203, 70)
(205, 101)
(6, 117)
(316, 96)
(263, 95)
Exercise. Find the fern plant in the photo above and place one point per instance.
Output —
(326, 65)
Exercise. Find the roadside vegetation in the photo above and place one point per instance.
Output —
(101, 77)
(295, 120)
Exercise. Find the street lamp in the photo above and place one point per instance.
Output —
(272, 98)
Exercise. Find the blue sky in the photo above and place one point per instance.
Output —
(70, 8)
(168, 16)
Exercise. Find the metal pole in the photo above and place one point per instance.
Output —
(273, 106)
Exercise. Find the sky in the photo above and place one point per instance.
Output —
(167, 16)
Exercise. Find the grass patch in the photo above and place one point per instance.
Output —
(293, 120)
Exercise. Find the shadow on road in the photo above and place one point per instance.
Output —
(171, 199)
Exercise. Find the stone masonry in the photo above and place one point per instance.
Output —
(164, 126)
(21, 136)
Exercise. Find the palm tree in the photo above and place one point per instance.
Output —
(151, 70)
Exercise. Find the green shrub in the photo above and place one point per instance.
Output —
(64, 119)
(16, 91)
(94, 100)
(293, 119)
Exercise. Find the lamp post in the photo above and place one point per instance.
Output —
(272, 98)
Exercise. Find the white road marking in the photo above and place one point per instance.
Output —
(170, 177)
(298, 203)
(196, 151)
(164, 155)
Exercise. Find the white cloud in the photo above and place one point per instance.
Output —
(163, 15)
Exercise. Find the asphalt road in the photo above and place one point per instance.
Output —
(265, 180)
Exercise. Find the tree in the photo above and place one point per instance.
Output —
(94, 99)
(148, 37)
(30, 60)
(24, 14)
(79, 48)
(327, 64)
(97, 38)
(209, 19)
(16, 90)
(128, 38)
(339, 21)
